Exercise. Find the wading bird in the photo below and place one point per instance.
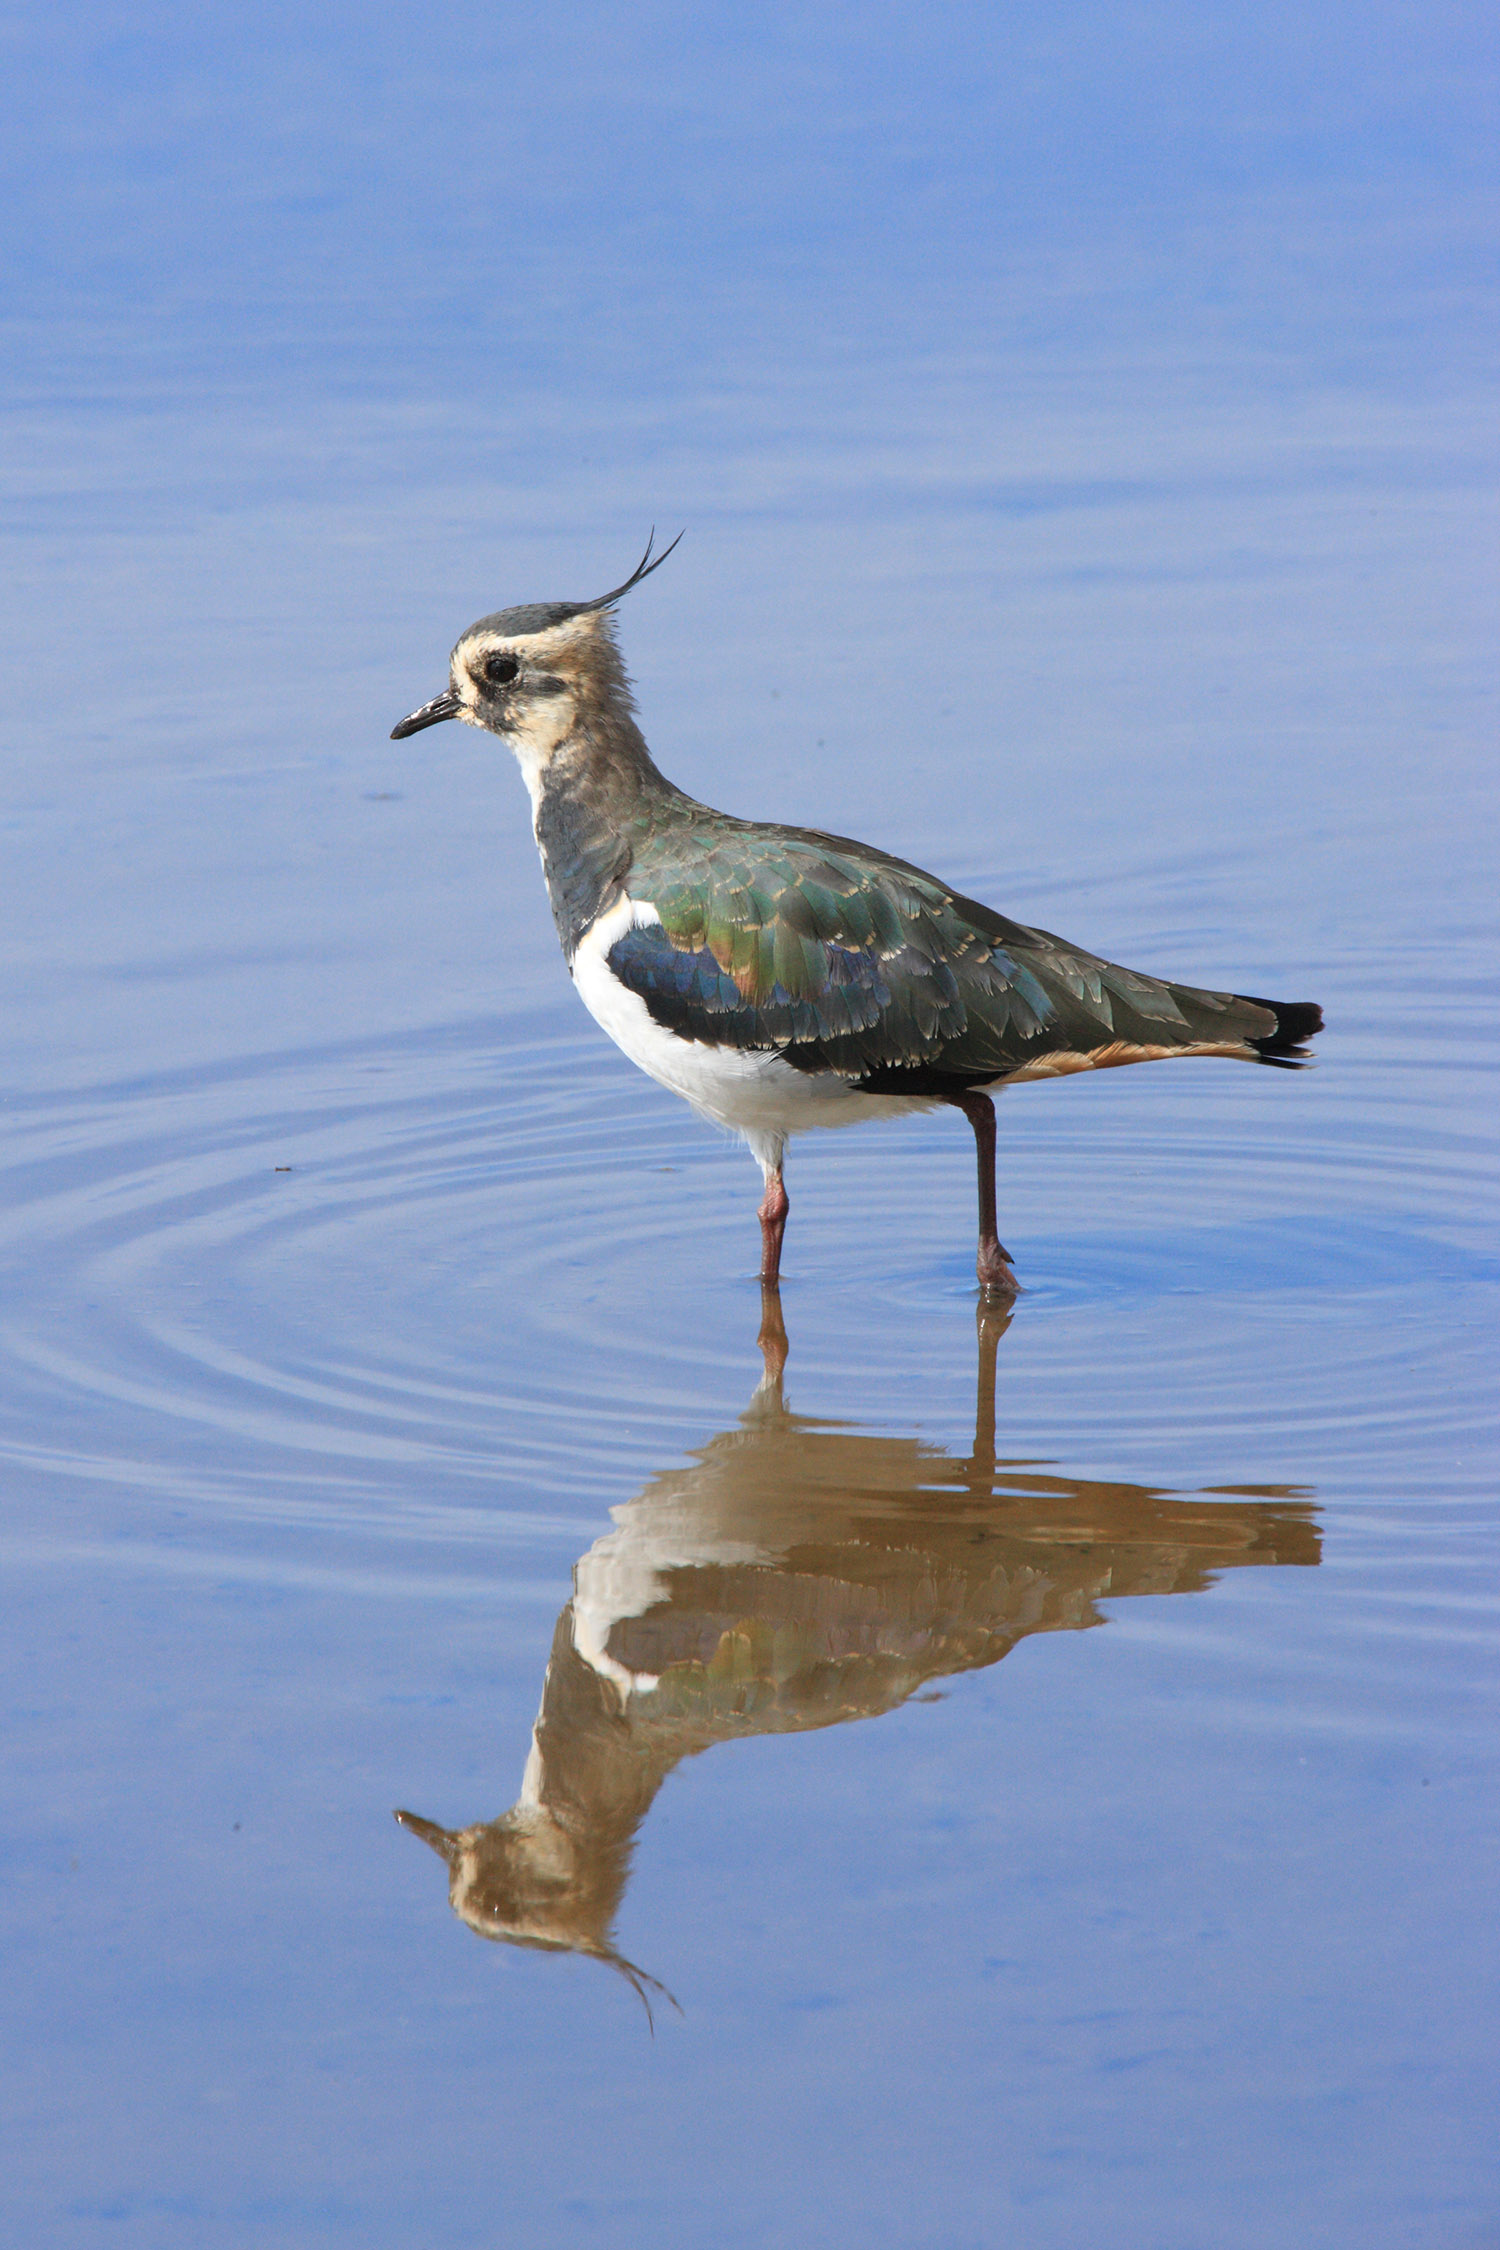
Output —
(777, 978)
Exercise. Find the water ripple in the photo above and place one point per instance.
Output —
(379, 1285)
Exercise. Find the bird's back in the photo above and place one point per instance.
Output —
(845, 959)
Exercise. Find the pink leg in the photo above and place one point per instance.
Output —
(993, 1265)
(773, 1213)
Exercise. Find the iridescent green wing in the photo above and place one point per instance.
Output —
(841, 958)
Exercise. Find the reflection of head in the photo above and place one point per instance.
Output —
(797, 1575)
(517, 1878)
(521, 1878)
(551, 1871)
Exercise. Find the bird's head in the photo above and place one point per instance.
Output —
(531, 674)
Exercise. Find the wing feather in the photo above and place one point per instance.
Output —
(841, 959)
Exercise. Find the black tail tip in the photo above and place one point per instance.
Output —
(1296, 1021)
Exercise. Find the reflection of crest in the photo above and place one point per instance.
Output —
(800, 1573)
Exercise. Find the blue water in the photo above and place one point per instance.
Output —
(1066, 1809)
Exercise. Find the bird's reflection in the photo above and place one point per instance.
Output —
(799, 1574)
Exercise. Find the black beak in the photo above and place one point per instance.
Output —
(444, 706)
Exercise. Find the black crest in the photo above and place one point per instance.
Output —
(535, 617)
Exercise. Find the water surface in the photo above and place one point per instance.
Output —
(1039, 1775)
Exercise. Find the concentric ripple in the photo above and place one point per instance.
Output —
(462, 1287)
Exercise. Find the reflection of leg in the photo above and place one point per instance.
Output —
(993, 1264)
(773, 1213)
(772, 1337)
(991, 1322)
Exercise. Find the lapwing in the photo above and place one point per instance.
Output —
(779, 978)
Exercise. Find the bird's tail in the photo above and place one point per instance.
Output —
(1296, 1021)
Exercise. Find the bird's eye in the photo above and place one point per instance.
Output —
(500, 670)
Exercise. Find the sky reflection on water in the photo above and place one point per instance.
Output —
(1079, 421)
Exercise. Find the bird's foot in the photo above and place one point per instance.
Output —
(997, 1276)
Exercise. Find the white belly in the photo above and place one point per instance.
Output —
(758, 1095)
